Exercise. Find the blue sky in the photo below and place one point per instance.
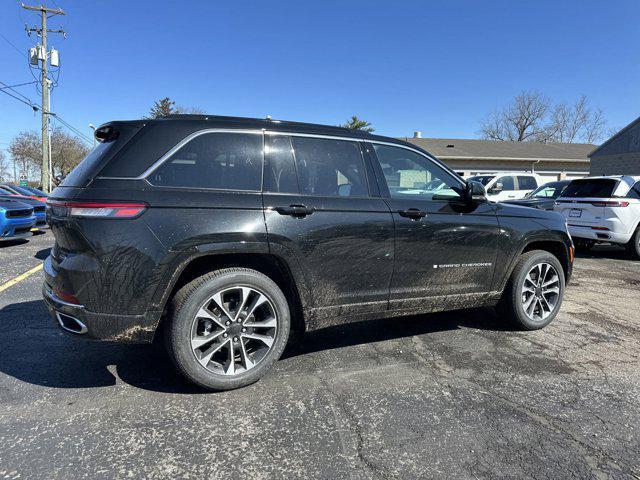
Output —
(439, 67)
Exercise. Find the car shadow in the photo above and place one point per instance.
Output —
(612, 252)
(43, 254)
(13, 243)
(34, 350)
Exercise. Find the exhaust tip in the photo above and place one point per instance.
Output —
(71, 324)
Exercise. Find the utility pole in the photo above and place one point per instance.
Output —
(43, 56)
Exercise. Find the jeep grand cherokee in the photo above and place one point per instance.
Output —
(225, 235)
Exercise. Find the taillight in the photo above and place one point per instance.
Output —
(97, 209)
(610, 204)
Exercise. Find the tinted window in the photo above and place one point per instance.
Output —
(635, 191)
(549, 190)
(592, 188)
(507, 183)
(329, 167)
(527, 183)
(410, 175)
(229, 161)
(279, 165)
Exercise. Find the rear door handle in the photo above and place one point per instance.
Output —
(412, 213)
(299, 211)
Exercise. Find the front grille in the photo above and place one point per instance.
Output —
(18, 213)
(39, 208)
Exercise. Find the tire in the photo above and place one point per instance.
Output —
(583, 245)
(514, 298)
(633, 246)
(196, 316)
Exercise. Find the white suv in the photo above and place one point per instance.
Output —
(508, 186)
(603, 209)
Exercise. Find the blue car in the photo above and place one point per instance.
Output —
(37, 205)
(16, 219)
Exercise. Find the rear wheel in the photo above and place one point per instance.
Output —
(633, 247)
(227, 328)
(533, 295)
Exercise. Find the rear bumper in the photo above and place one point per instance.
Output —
(78, 321)
(598, 235)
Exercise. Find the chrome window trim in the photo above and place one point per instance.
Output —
(188, 138)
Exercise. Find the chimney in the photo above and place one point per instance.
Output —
(417, 134)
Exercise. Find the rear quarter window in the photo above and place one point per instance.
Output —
(225, 161)
(594, 188)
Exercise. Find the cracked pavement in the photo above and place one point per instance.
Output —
(451, 395)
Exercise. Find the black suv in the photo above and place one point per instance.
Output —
(229, 234)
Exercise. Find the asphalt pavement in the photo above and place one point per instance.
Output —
(452, 395)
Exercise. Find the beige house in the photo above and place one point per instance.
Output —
(552, 161)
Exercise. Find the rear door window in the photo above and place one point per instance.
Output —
(527, 183)
(225, 161)
(328, 167)
(507, 183)
(279, 165)
(591, 188)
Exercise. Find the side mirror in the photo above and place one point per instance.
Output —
(497, 188)
(476, 192)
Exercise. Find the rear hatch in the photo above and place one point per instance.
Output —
(584, 201)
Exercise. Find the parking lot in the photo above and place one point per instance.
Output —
(454, 395)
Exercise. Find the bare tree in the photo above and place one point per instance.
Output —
(4, 167)
(520, 121)
(66, 152)
(530, 118)
(578, 122)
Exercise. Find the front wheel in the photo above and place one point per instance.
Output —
(534, 292)
(227, 328)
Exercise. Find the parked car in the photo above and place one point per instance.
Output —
(542, 197)
(508, 186)
(35, 191)
(38, 207)
(17, 190)
(226, 235)
(16, 219)
(603, 209)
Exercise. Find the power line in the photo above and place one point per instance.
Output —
(13, 45)
(17, 85)
(57, 117)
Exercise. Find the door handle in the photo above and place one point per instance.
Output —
(298, 211)
(412, 213)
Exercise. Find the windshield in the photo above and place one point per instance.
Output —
(549, 190)
(483, 179)
(35, 191)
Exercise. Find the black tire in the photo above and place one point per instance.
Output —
(583, 245)
(633, 246)
(511, 306)
(186, 304)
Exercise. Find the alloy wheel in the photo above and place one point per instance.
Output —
(540, 291)
(234, 330)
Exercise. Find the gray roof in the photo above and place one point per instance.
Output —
(493, 150)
